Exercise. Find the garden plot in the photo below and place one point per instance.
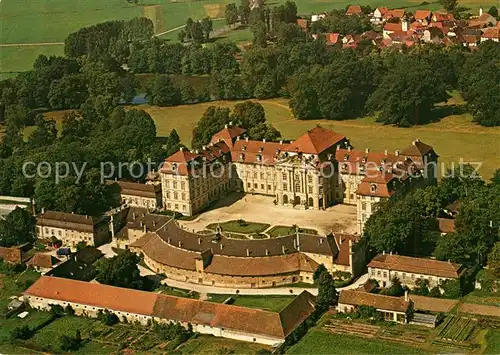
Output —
(457, 330)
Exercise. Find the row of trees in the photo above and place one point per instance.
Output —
(249, 115)
(407, 225)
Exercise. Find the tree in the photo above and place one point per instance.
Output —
(108, 318)
(452, 288)
(207, 27)
(317, 273)
(327, 293)
(231, 14)
(17, 228)
(244, 11)
(70, 343)
(181, 36)
(493, 11)
(68, 92)
(435, 292)
(21, 332)
(407, 94)
(421, 287)
(449, 5)
(121, 271)
(164, 92)
(396, 288)
(212, 121)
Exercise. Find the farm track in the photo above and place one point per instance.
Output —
(31, 44)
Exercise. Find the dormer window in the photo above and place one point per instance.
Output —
(244, 147)
(373, 188)
(259, 157)
(344, 166)
(330, 156)
(346, 157)
(174, 166)
(242, 156)
(383, 161)
(261, 149)
(363, 160)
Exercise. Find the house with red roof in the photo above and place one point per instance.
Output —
(379, 13)
(423, 16)
(491, 34)
(354, 10)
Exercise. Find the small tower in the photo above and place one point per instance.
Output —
(480, 11)
(405, 23)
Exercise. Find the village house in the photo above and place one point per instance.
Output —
(43, 263)
(392, 309)
(12, 255)
(354, 10)
(491, 34)
(221, 320)
(214, 260)
(378, 14)
(72, 228)
(385, 267)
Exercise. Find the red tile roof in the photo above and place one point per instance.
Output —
(416, 265)
(491, 33)
(137, 189)
(393, 27)
(417, 149)
(381, 302)
(315, 141)
(64, 220)
(383, 10)
(228, 135)
(398, 13)
(43, 260)
(256, 152)
(93, 294)
(446, 225)
(354, 10)
(11, 255)
(377, 185)
(422, 14)
(332, 38)
(229, 317)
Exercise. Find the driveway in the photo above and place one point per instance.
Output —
(257, 208)
(284, 291)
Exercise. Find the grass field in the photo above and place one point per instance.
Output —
(492, 342)
(321, 342)
(209, 345)
(237, 227)
(14, 285)
(267, 303)
(278, 231)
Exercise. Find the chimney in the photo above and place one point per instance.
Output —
(181, 149)
(246, 139)
(230, 123)
(367, 150)
(320, 240)
(43, 210)
(221, 246)
(406, 296)
(283, 249)
(480, 11)
(397, 153)
(197, 151)
(238, 138)
(144, 229)
(386, 152)
(204, 147)
(294, 244)
(281, 142)
(349, 149)
(225, 126)
(180, 243)
(248, 252)
(264, 140)
(199, 240)
(416, 141)
(267, 252)
(338, 147)
(383, 253)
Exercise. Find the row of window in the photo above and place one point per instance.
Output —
(402, 275)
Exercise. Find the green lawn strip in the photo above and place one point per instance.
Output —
(270, 303)
(210, 345)
(318, 341)
(280, 231)
(178, 292)
(243, 227)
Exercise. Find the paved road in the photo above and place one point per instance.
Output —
(283, 291)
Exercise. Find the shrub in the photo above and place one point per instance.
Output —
(23, 332)
(68, 343)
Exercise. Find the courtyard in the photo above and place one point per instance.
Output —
(258, 208)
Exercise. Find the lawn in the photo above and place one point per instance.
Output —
(278, 231)
(492, 342)
(210, 345)
(267, 303)
(240, 226)
(483, 297)
(178, 292)
(321, 342)
(243, 34)
(18, 59)
(33, 320)
(14, 285)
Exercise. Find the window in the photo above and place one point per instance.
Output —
(269, 187)
(59, 232)
(284, 177)
(176, 206)
(363, 206)
(262, 176)
(310, 189)
(249, 185)
(255, 175)
(183, 207)
(183, 196)
(176, 196)
(262, 186)
(412, 276)
(168, 194)
(183, 185)
(385, 274)
(310, 179)
(285, 187)
(255, 186)
(378, 273)
(174, 184)
(297, 186)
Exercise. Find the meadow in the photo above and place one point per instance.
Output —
(44, 21)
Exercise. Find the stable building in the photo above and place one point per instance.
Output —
(221, 320)
(393, 309)
(385, 267)
(140, 195)
(72, 228)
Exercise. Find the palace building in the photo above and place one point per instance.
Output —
(317, 170)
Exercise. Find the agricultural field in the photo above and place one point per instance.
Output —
(456, 330)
